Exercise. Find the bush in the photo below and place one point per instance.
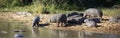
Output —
(54, 5)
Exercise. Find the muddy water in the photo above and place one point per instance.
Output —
(7, 31)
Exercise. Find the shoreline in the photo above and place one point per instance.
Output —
(104, 27)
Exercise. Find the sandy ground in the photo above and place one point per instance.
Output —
(104, 27)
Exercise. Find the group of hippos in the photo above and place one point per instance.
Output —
(90, 17)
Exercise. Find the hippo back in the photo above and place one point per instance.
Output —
(53, 18)
(75, 19)
(94, 12)
(72, 14)
(71, 19)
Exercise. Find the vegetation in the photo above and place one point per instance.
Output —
(58, 6)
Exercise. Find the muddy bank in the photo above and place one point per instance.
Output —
(104, 27)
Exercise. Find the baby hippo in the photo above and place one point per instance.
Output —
(36, 21)
(90, 23)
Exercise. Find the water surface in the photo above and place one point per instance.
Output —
(7, 31)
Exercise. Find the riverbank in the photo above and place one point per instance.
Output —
(104, 27)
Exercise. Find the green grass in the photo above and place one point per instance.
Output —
(32, 8)
(111, 11)
(53, 6)
(38, 8)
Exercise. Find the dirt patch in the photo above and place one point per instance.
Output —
(104, 27)
(10, 16)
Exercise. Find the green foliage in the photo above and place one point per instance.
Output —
(13, 3)
(54, 6)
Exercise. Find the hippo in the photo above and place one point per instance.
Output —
(36, 21)
(97, 20)
(59, 18)
(119, 21)
(53, 19)
(72, 14)
(90, 23)
(81, 14)
(75, 19)
(75, 13)
(115, 19)
(93, 12)
(71, 19)
(62, 19)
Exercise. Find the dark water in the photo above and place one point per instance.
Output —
(7, 31)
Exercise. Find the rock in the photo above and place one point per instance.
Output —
(18, 36)
(19, 30)
(5, 32)
(24, 13)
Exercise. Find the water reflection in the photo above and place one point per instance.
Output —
(35, 33)
(66, 34)
(46, 33)
(6, 31)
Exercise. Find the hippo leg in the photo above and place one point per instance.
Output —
(62, 24)
(58, 24)
(37, 24)
(33, 24)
